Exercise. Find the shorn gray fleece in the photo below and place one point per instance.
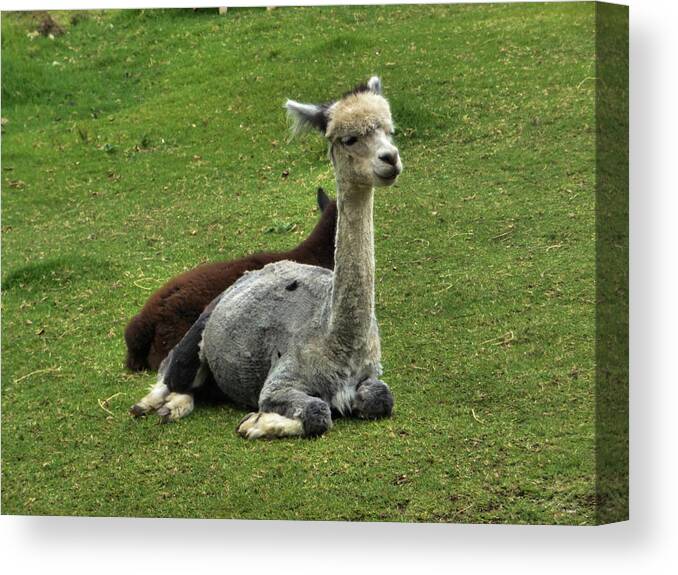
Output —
(272, 323)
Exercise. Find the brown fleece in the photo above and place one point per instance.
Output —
(172, 310)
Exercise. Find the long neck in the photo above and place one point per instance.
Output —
(353, 287)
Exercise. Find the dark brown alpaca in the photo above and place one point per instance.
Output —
(172, 310)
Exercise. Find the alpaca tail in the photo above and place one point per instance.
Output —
(138, 337)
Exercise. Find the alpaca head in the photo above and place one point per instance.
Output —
(359, 130)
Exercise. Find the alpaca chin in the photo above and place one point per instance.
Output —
(381, 182)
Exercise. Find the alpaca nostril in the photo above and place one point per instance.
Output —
(390, 159)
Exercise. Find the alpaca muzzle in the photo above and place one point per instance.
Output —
(388, 169)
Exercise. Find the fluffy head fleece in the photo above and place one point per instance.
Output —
(358, 114)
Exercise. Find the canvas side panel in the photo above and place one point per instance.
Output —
(612, 263)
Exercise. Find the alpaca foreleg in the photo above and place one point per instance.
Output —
(178, 404)
(373, 399)
(179, 375)
(158, 394)
(286, 412)
(183, 371)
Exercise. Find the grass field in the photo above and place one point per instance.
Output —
(141, 143)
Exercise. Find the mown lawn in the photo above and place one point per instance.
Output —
(141, 143)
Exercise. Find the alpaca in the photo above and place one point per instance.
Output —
(299, 342)
(171, 311)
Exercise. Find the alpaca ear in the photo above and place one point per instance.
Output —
(323, 199)
(306, 117)
(374, 84)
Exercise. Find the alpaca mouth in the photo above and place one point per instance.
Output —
(388, 178)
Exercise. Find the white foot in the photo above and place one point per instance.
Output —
(176, 406)
(268, 426)
(151, 401)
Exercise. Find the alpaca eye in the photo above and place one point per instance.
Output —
(349, 141)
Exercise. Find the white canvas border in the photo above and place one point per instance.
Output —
(644, 544)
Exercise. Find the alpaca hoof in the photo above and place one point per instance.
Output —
(164, 415)
(317, 418)
(137, 411)
(373, 400)
(265, 425)
(178, 405)
(239, 429)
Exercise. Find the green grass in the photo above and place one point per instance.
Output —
(141, 143)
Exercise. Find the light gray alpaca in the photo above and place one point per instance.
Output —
(297, 341)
